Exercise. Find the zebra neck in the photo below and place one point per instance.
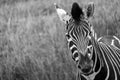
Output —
(97, 56)
(97, 61)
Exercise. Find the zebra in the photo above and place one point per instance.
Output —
(110, 40)
(94, 60)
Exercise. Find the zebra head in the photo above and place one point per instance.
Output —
(79, 34)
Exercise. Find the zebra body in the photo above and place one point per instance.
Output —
(95, 60)
(110, 40)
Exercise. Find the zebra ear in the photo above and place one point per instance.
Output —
(90, 9)
(76, 11)
(63, 15)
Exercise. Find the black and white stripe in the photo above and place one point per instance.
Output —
(95, 60)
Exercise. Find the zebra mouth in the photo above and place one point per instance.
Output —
(86, 70)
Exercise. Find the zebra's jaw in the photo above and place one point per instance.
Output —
(63, 15)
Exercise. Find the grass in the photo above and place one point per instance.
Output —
(32, 41)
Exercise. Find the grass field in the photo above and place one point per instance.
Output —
(32, 41)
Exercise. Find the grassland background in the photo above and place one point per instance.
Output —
(32, 41)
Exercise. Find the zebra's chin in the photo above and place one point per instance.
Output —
(86, 70)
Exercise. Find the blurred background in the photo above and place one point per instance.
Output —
(32, 38)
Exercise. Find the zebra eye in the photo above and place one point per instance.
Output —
(90, 51)
(67, 22)
(89, 43)
(67, 35)
(89, 55)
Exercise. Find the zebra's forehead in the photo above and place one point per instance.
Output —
(82, 46)
(80, 32)
(82, 23)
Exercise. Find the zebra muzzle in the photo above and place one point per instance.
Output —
(85, 65)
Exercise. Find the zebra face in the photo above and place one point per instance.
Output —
(78, 30)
